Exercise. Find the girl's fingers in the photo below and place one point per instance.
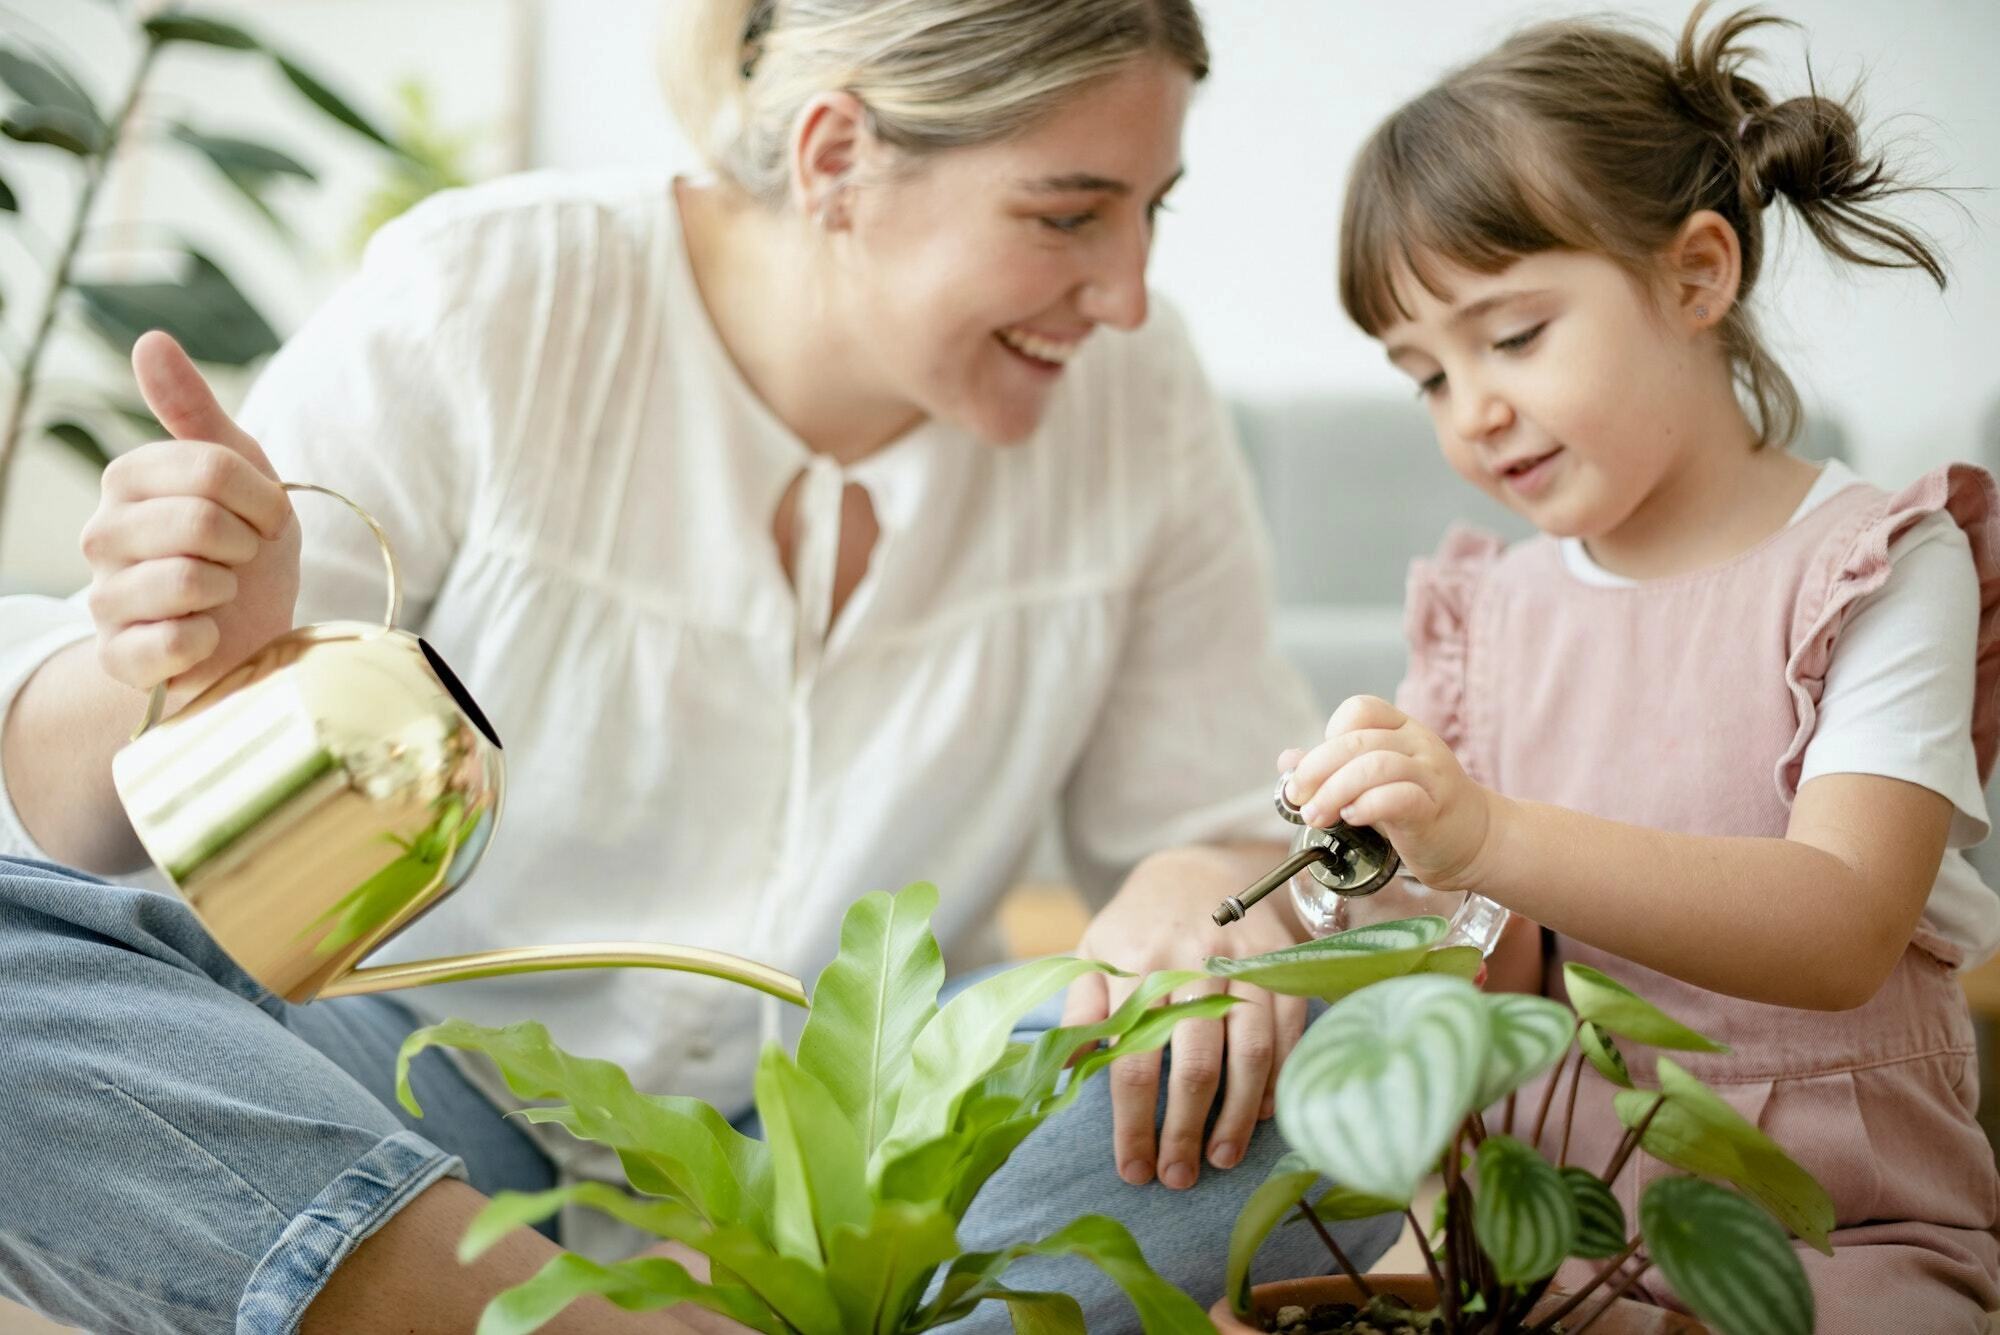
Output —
(145, 530)
(1252, 1056)
(1392, 804)
(160, 591)
(1357, 712)
(201, 469)
(1311, 775)
(144, 655)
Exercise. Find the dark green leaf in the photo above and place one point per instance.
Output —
(1727, 1260)
(331, 103)
(1277, 1196)
(1600, 1219)
(204, 311)
(1602, 1050)
(177, 26)
(8, 202)
(253, 160)
(1523, 1212)
(140, 416)
(78, 438)
(52, 126)
(49, 87)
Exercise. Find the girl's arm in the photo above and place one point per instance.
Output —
(1816, 919)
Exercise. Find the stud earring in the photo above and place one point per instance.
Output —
(1701, 312)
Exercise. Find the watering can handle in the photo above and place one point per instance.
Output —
(156, 702)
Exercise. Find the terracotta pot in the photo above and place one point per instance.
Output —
(1626, 1318)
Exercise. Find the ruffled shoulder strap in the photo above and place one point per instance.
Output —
(1855, 563)
(1437, 607)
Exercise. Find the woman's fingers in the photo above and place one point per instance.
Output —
(1193, 1076)
(1135, 1094)
(161, 590)
(190, 526)
(143, 655)
(199, 469)
(1252, 1047)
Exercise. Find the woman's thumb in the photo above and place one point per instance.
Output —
(182, 401)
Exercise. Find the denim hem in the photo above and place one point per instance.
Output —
(355, 1204)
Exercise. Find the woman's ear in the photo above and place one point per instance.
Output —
(829, 141)
(1705, 266)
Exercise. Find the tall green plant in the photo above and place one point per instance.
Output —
(1388, 1086)
(53, 113)
(878, 1135)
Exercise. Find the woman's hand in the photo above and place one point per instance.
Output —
(193, 554)
(1160, 920)
(1379, 767)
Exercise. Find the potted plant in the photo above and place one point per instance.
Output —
(1390, 1085)
(877, 1136)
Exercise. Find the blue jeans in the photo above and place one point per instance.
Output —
(182, 1151)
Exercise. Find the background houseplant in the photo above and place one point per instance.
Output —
(52, 114)
(878, 1135)
(1390, 1083)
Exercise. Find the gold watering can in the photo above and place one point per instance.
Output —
(328, 792)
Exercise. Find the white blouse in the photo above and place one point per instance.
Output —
(523, 386)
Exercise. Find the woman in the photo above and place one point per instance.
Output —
(805, 530)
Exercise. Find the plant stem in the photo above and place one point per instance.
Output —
(1611, 1298)
(1348, 1267)
(1631, 1141)
(1424, 1245)
(1596, 1281)
(1549, 1092)
(1507, 1119)
(1569, 1109)
(1453, 1234)
(94, 174)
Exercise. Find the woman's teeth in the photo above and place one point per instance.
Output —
(1041, 349)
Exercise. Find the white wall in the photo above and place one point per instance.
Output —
(1248, 251)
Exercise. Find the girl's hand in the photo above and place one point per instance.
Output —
(193, 554)
(1160, 920)
(1379, 767)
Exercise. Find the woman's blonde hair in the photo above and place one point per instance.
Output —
(1580, 135)
(933, 74)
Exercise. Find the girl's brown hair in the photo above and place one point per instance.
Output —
(1581, 135)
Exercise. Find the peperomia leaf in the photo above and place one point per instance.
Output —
(878, 1274)
(1605, 1001)
(819, 1172)
(870, 1004)
(1727, 1260)
(670, 1145)
(1379, 1084)
(1530, 1034)
(1522, 1212)
(958, 1045)
(1602, 1050)
(1696, 1131)
(1600, 1219)
(1335, 966)
(1276, 1197)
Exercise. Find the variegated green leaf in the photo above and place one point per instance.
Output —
(1600, 1219)
(1276, 1196)
(1727, 1260)
(1530, 1034)
(870, 1004)
(1380, 1083)
(819, 1172)
(1699, 1133)
(1604, 1000)
(1338, 965)
(1602, 1050)
(1522, 1211)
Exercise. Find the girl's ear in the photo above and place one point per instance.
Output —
(1705, 266)
(830, 139)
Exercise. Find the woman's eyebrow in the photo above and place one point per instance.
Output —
(1072, 183)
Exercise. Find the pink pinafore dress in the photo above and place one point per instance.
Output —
(1686, 704)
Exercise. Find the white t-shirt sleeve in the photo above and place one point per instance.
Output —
(1899, 690)
(1202, 702)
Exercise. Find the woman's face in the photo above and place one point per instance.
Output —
(975, 274)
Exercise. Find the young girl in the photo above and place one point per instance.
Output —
(1724, 725)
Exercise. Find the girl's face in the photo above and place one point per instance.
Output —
(976, 274)
(1558, 386)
